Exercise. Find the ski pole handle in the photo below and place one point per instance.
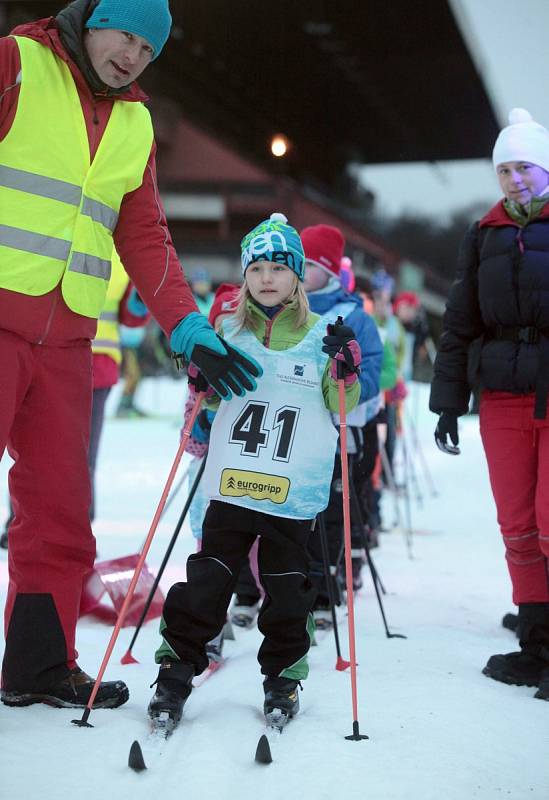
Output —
(340, 365)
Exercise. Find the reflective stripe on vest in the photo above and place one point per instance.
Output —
(99, 212)
(64, 192)
(58, 211)
(32, 183)
(19, 239)
(109, 316)
(90, 265)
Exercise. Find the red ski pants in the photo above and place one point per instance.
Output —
(45, 401)
(517, 450)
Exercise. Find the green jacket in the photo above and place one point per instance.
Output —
(389, 368)
(279, 333)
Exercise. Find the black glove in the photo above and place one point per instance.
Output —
(228, 374)
(447, 426)
(196, 379)
(337, 341)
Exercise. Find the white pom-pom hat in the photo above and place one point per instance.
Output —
(522, 140)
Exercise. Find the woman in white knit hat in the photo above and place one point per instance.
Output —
(496, 334)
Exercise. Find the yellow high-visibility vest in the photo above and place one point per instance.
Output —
(107, 338)
(58, 211)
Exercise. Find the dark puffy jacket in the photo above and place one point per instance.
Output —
(502, 280)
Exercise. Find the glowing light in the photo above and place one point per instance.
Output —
(279, 145)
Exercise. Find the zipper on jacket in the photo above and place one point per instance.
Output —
(516, 268)
(269, 328)
(95, 121)
(50, 319)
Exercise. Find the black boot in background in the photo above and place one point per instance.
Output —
(543, 691)
(526, 667)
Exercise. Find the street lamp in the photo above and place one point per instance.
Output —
(279, 145)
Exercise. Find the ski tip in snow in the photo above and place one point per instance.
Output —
(263, 752)
(135, 759)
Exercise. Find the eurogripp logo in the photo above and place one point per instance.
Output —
(257, 485)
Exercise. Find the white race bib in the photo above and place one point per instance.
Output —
(273, 450)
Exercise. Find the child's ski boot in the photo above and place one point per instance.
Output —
(214, 648)
(281, 700)
(173, 687)
(322, 616)
(244, 615)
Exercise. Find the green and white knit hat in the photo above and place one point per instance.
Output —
(274, 240)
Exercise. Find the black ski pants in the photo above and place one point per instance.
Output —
(333, 521)
(246, 589)
(195, 611)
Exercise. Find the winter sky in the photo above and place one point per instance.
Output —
(508, 41)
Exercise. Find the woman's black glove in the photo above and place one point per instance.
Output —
(447, 426)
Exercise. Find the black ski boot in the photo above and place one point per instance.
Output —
(543, 691)
(356, 566)
(525, 667)
(322, 615)
(281, 693)
(173, 687)
(73, 691)
(214, 648)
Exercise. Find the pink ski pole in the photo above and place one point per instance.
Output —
(83, 723)
(356, 735)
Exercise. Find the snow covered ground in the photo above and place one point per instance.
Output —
(438, 728)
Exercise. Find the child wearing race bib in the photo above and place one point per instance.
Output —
(268, 474)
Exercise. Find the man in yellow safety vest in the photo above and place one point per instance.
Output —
(77, 174)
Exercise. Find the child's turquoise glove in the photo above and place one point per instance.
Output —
(226, 368)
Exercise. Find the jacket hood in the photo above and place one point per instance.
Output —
(498, 216)
(63, 35)
(320, 303)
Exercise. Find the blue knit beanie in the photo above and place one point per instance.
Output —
(381, 281)
(274, 240)
(150, 19)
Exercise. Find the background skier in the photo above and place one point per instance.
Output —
(496, 332)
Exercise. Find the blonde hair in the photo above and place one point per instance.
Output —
(297, 302)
